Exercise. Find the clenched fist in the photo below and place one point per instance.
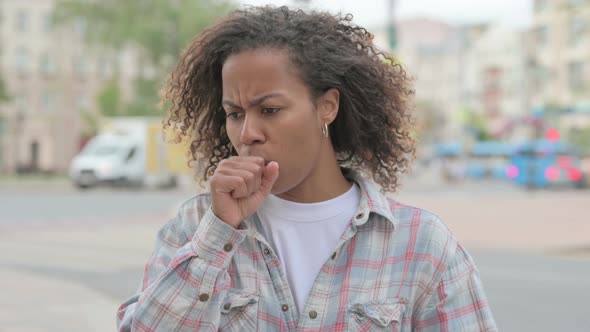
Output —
(239, 186)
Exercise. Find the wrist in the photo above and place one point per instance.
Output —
(233, 222)
(215, 240)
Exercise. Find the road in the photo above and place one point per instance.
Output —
(69, 258)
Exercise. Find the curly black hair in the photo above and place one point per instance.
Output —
(372, 132)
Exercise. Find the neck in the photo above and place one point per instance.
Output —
(325, 182)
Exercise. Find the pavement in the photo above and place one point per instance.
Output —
(539, 222)
(72, 274)
(68, 259)
(58, 280)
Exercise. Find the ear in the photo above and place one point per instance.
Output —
(329, 104)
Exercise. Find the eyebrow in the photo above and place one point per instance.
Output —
(256, 101)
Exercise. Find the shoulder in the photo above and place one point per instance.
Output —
(422, 231)
(406, 227)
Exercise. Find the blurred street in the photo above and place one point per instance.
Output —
(68, 259)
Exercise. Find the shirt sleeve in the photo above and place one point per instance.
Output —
(457, 301)
(183, 280)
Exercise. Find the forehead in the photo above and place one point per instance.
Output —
(259, 69)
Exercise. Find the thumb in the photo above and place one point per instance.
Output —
(269, 177)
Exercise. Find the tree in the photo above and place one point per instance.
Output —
(109, 99)
(429, 120)
(4, 96)
(581, 138)
(475, 124)
(159, 29)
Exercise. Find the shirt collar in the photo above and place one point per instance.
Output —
(372, 199)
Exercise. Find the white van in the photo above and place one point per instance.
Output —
(129, 151)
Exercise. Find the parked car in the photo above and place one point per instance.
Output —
(545, 164)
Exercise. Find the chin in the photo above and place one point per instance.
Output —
(277, 190)
(279, 187)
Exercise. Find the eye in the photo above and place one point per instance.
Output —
(233, 115)
(270, 110)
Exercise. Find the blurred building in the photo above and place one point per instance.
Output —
(496, 81)
(561, 49)
(52, 78)
(435, 54)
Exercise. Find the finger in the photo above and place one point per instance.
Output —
(251, 167)
(236, 185)
(251, 159)
(252, 180)
(254, 166)
(269, 177)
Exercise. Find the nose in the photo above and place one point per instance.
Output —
(251, 132)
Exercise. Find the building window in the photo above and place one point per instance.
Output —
(82, 103)
(104, 68)
(46, 103)
(576, 73)
(542, 35)
(575, 3)
(577, 30)
(47, 24)
(22, 21)
(80, 67)
(81, 27)
(541, 5)
(47, 65)
(541, 77)
(22, 61)
(20, 104)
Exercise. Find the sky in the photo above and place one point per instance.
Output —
(372, 13)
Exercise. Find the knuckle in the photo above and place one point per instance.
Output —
(241, 181)
(214, 182)
(250, 176)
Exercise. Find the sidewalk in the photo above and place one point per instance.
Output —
(51, 280)
(540, 222)
(34, 303)
(28, 183)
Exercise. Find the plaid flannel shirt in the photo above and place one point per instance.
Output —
(395, 268)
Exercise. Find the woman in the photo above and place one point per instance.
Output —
(305, 127)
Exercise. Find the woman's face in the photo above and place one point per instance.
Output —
(270, 114)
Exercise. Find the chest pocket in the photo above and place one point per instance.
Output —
(383, 315)
(239, 311)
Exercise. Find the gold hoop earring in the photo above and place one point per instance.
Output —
(325, 130)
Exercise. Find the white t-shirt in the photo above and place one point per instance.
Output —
(304, 235)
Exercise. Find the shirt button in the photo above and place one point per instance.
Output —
(266, 251)
(284, 307)
(203, 297)
(226, 306)
(360, 216)
(333, 255)
(228, 247)
(313, 314)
